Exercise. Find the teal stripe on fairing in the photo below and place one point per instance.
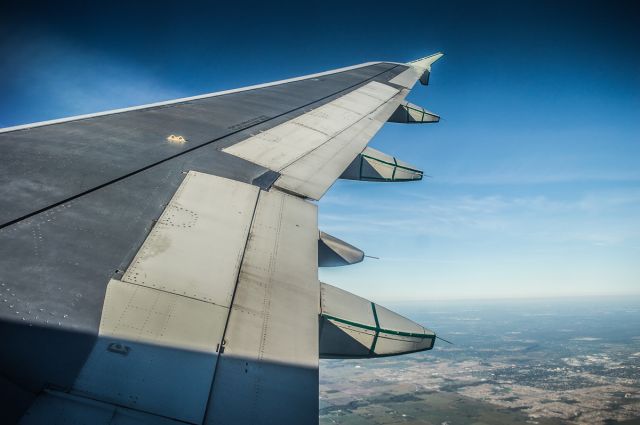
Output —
(378, 329)
(394, 164)
(375, 338)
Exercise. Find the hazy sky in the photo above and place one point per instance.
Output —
(535, 166)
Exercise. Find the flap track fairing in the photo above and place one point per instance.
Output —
(408, 113)
(333, 252)
(373, 165)
(353, 327)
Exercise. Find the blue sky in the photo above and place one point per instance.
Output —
(535, 187)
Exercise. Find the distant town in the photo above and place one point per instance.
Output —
(503, 377)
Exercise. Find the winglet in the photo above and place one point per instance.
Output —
(424, 65)
(426, 62)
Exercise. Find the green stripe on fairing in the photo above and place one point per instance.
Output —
(422, 111)
(378, 329)
(395, 167)
(375, 338)
(388, 163)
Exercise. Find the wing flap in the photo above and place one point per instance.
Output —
(151, 343)
(196, 247)
(162, 324)
(218, 309)
(311, 151)
(284, 144)
(271, 341)
(313, 174)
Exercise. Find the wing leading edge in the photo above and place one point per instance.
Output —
(214, 314)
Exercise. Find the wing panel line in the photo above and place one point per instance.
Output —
(233, 297)
(185, 99)
(177, 155)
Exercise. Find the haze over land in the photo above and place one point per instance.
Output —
(559, 361)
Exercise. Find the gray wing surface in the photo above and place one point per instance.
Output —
(159, 264)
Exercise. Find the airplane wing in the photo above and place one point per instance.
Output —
(159, 264)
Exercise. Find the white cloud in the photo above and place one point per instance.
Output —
(601, 218)
(539, 178)
(65, 78)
